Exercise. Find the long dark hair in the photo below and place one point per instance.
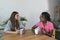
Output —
(46, 15)
(14, 22)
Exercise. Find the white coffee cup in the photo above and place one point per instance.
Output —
(37, 30)
(21, 31)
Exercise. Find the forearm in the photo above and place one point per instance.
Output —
(13, 32)
(33, 28)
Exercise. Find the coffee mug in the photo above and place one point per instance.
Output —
(21, 31)
(37, 30)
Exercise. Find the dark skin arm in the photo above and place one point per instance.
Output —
(51, 32)
(34, 28)
(48, 34)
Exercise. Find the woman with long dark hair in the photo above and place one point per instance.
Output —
(45, 24)
(14, 25)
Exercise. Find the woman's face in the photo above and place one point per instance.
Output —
(42, 18)
(17, 16)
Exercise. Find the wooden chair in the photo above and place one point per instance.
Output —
(54, 33)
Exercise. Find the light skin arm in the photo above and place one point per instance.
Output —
(12, 32)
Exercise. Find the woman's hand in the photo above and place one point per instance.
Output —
(43, 31)
(17, 31)
(23, 31)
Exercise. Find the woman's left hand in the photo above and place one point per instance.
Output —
(43, 31)
(17, 31)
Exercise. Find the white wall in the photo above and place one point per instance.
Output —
(31, 9)
(52, 5)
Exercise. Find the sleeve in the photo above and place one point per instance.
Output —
(51, 26)
(21, 24)
(37, 24)
(7, 27)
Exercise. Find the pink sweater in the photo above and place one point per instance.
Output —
(48, 27)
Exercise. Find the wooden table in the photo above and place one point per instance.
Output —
(27, 36)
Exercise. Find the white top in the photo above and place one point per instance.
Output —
(8, 25)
